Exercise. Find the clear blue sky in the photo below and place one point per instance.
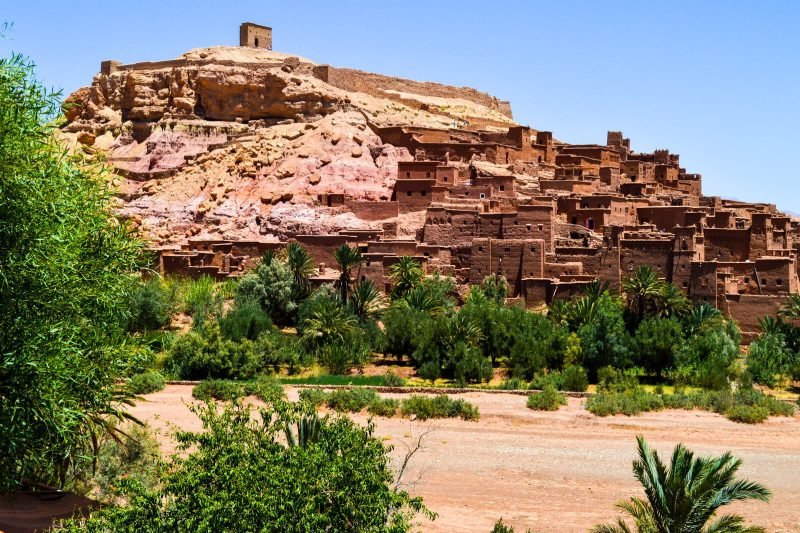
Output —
(717, 82)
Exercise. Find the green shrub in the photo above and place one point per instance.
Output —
(384, 407)
(198, 299)
(150, 305)
(441, 406)
(747, 414)
(769, 358)
(390, 379)
(146, 383)
(543, 379)
(246, 320)
(513, 383)
(266, 389)
(610, 379)
(631, 402)
(340, 357)
(351, 401)
(218, 389)
(270, 284)
(656, 341)
(574, 379)
(315, 397)
(547, 400)
(205, 353)
(706, 359)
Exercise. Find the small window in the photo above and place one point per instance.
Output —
(480, 248)
(766, 282)
(528, 227)
(533, 249)
(409, 193)
(363, 278)
(746, 279)
(408, 174)
(508, 250)
(483, 196)
(427, 174)
(502, 188)
(685, 284)
(424, 193)
(541, 227)
(778, 282)
(445, 178)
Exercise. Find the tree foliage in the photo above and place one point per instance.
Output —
(64, 260)
(240, 476)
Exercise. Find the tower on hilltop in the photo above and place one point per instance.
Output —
(255, 36)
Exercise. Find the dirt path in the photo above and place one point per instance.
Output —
(554, 472)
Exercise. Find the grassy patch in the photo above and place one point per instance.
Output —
(265, 389)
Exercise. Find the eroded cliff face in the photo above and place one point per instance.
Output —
(238, 143)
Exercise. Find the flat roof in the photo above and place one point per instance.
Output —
(256, 25)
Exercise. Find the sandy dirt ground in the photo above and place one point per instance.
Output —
(551, 472)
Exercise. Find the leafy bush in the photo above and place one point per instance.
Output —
(384, 407)
(266, 389)
(441, 406)
(513, 383)
(271, 285)
(747, 414)
(610, 379)
(706, 358)
(575, 379)
(246, 320)
(351, 401)
(656, 341)
(218, 389)
(390, 379)
(314, 397)
(146, 383)
(547, 400)
(340, 357)
(150, 305)
(205, 353)
(631, 402)
(770, 358)
(339, 481)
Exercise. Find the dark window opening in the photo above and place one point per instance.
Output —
(778, 282)
(424, 193)
(502, 188)
(409, 193)
(685, 284)
(256, 42)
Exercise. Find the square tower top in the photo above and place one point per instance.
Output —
(255, 36)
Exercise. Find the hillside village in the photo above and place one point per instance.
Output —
(227, 152)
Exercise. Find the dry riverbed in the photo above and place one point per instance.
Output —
(551, 472)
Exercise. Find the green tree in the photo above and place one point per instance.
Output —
(347, 259)
(791, 309)
(671, 302)
(271, 285)
(656, 342)
(495, 288)
(301, 265)
(684, 496)
(65, 264)
(366, 302)
(769, 359)
(642, 291)
(405, 274)
(240, 476)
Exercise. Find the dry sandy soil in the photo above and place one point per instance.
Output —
(553, 472)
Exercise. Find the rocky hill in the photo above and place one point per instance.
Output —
(239, 143)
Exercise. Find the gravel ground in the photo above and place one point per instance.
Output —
(551, 472)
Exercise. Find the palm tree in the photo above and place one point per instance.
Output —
(700, 314)
(327, 323)
(421, 298)
(671, 302)
(366, 301)
(791, 309)
(347, 258)
(684, 496)
(642, 289)
(769, 325)
(405, 275)
(302, 266)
